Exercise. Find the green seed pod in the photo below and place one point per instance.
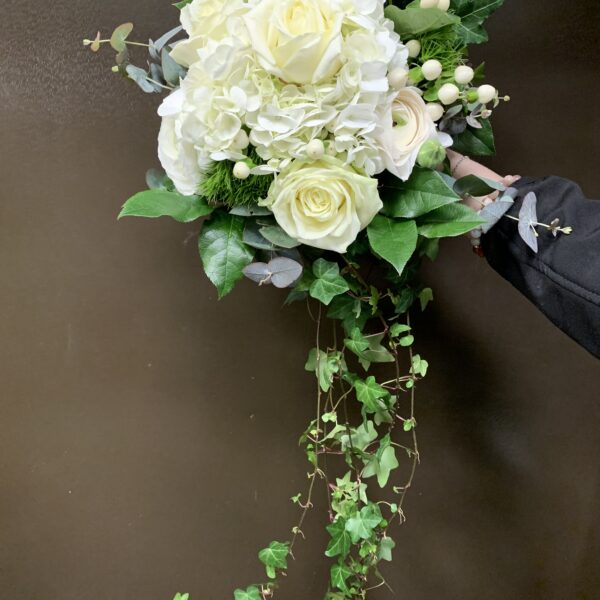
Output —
(432, 153)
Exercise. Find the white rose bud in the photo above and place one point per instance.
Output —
(435, 111)
(414, 48)
(241, 170)
(448, 93)
(315, 149)
(432, 69)
(429, 3)
(464, 75)
(398, 78)
(444, 5)
(486, 93)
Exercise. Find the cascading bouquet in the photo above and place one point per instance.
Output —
(313, 135)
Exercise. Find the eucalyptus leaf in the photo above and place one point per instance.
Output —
(163, 40)
(119, 35)
(141, 78)
(172, 71)
(277, 236)
(494, 211)
(528, 221)
(250, 211)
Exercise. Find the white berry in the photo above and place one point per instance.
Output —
(435, 111)
(241, 170)
(315, 149)
(464, 75)
(486, 93)
(398, 78)
(448, 93)
(429, 3)
(444, 5)
(414, 48)
(432, 69)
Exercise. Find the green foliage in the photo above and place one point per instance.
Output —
(442, 45)
(274, 557)
(371, 395)
(328, 282)
(223, 252)
(120, 35)
(250, 593)
(394, 241)
(425, 191)
(382, 463)
(477, 186)
(341, 541)
(476, 142)
(325, 365)
(179, 596)
(340, 573)
(219, 186)
(161, 203)
(473, 13)
(413, 21)
(449, 221)
(368, 349)
(362, 525)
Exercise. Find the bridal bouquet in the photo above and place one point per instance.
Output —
(312, 134)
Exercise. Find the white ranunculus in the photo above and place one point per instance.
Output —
(205, 20)
(324, 204)
(409, 128)
(299, 41)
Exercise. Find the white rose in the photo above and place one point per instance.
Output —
(324, 204)
(411, 126)
(297, 40)
(205, 20)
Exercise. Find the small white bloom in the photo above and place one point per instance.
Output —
(315, 149)
(429, 3)
(398, 78)
(241, 170)
(324, 204)
(464, 75)
(444, 5)
(448, 93)
(432, 69)
(486, 93)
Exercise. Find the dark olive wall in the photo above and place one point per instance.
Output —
(148, 433)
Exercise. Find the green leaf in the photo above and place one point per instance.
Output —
(361, 526)
(339, 574)
(328, 282)
(473, 14)
(425, 191)
(341, 541)
(179, 596)
(274, 557)
(161, 203)
(394, 241)
(350, 311)
(381, 465)
(360, 437)
(425, 297)
(449, 221)
(324, 365)
(385, 549)
(397, 328)
(414, 21)
(223, 252)
(172, 71)
(476, 142)
(279, 237)
(474, 185)
(120, 34)
(368, 348)
(370, 394)
(251, 593)
(183, 3)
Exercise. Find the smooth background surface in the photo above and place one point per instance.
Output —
(148, 433)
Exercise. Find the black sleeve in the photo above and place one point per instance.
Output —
(563, 279)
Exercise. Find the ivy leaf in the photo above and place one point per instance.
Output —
(476, 142)
(414, 21)
(425, 191)
(381, 464)
(368, 349)
(394, 241)
(223, 252)
(361, 526)
(350, 311)
(341, 541)
(328, 282)
(385, 549)
(340, 573)
(324, 365)
(274, 557)
(161, 203)
(251, 593)
(473, 14)
(119, 35)
(449, 221)
(179, 596)
(360, 437)
(369, 394)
